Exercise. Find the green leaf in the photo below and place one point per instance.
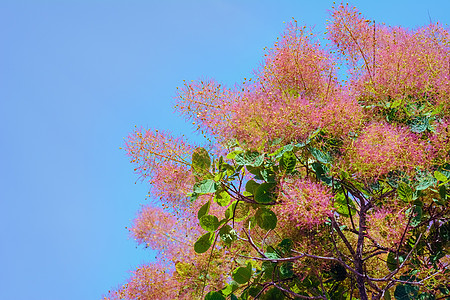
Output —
(254, 290)
(277, 153)
(439, 176)
(444, 290)
(392, 262)
(203, 210)
(311, 282)
(229, 288)
(419, 124)
(265, 193)
(341, 206)
(266, 219)
(276, 141)
(203, 243)
(426, 296)
(222, 198)
(286, 270)
(227, 235)
(272, 255)
(417, 216)
(213, 295)
(267, 267)
(288, 162)
(251, 186)
(443, 192)
(201, 160)
(193, 196)
(238, 210)
(285, 246)
(253, 159)
(425, 183)
(405, 192)
(268, 175)
(233, 154)
(406, 292)
(209, 223)
(228, 168)
(242, 274)
(324, 158)
(444, 232)
(280, 151)
(206, 186)
(321, 172)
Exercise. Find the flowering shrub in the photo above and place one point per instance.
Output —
(311, 188)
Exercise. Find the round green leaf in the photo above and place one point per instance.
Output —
(209, 223)
(404, 192)
(266, 219)
(265, 193)
(203, 210)
(201, 160)
(229, 288)
(213, 295)
(444, 232)
(425, 183)
(443, 192)
(253, 159)
(392, 261)
(288, 162)
(439, 176)
(324, 158)
(238, 210)
(242, 274)
(222, 198)
(419, 124)
(286, 270)
(406, 292)
(416, 216)
(203, 243)
(205, 187)
(251, 186)
(227, 234)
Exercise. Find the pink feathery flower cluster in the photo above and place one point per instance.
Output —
(304, 203)
(440, 142)
(164, 160)
(146, 283)
(411, 66)
(393, 63)
(153, 227)
(172, 231)
(295, 93)
(382, 148)
(297, 65)
(206, 102)
(293, 118)
(351, 34)
(387, 226)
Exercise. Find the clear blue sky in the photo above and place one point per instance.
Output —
(75, 77)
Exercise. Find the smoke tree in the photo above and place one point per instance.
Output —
(309, 187)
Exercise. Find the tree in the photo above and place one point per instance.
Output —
(309, 187)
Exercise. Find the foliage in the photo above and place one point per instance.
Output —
(312, 188)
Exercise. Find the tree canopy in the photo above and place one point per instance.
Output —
(308, 186)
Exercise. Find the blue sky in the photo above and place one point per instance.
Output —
(75, 78)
